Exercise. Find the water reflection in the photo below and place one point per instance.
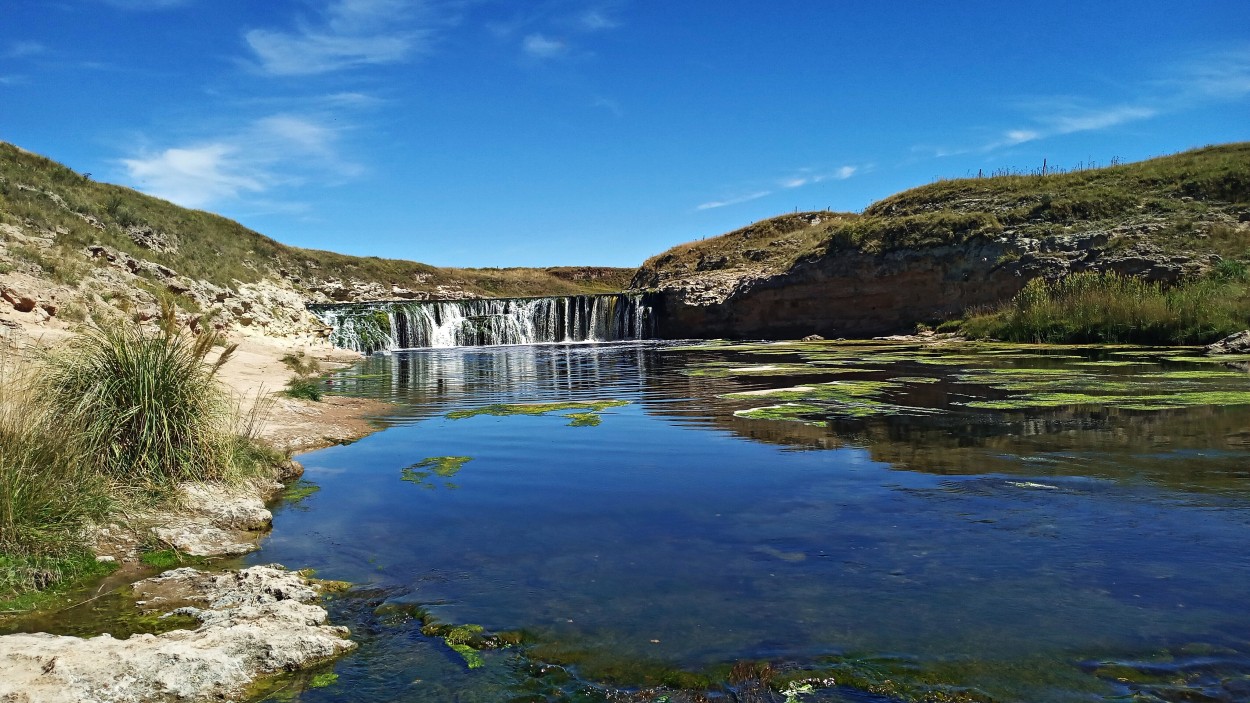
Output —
(1003, 550)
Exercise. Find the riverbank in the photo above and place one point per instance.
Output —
(240, 625)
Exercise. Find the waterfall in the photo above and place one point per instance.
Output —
(384, 326)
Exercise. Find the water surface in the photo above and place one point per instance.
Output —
(1061, 552)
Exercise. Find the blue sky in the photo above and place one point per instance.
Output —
(533, 133)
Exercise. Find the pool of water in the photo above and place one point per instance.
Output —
(997, 523)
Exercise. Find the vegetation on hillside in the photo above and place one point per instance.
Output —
(119, 416)
(1188, 202)
(38, 193)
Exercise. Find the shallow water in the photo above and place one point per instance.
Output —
(1062, 553)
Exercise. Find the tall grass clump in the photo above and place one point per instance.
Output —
(146, 404)
(1105, 307)
(48, 496)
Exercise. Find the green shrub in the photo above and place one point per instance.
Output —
(146, 404)
(303, 387)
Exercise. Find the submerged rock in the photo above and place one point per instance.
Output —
(253, 622)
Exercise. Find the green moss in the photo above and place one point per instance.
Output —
(170, 558)
(915, 379)
(579, 418)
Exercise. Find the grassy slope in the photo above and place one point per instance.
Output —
(1183, 202)
(40, 192)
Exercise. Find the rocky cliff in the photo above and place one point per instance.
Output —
(930, 254)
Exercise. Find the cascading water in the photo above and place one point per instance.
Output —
(384, 326)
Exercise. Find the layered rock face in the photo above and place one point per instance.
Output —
(856, 294)
(849, 295)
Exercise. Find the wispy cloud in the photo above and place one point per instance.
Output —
(1220, 76)
(24, 49)
(597, 19)
(348, 34)
(271, 152)
(798, 179)
(734, 201)
(810, 176)
(147, 4)
(610, 105)
(12, 80)
(543, 47)
(556, 29)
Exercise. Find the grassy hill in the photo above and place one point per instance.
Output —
(41, 196)
(1185, 203)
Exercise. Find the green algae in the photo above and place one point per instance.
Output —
(787, 412)
(578, 418)
(1126, 402)
(915, 379)
(852, 398)
(838, 391)
(324, 680)
(1198, 374)
(1218, 359)
(727, 370)
(584, 419)
(296, 493)
(423, 472)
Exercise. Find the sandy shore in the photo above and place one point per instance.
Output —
(256, 370)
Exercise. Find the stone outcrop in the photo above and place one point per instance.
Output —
(852, 293)
(1237, 343)
(252, 623)
(203, 520)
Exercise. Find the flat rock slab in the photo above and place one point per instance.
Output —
(253, 622)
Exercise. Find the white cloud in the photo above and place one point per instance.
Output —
(543, 47)
(352, 33)
(269, 153)
(12, 80)
(735, 201)
(195, 176)
(1099, 119)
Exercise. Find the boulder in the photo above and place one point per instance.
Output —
(21, 302)
(1238, 343)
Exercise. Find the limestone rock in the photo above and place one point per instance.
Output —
(1238, 343)
(253, 622)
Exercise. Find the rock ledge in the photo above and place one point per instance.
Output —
(253, 622)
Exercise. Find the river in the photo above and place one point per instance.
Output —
(987, 522)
